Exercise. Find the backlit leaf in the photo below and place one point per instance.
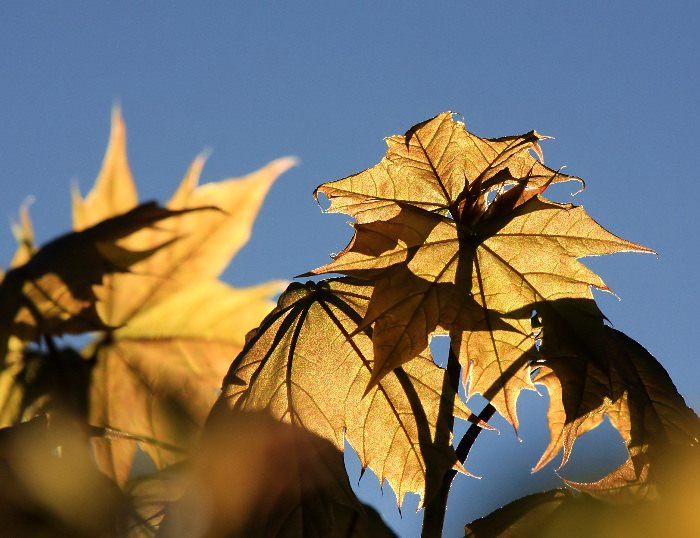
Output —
(453, 233)
(24, 235)
(303, 366)
(50, 293)
(440, 157)
(145, 278)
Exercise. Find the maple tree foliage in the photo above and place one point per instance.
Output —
(154, 370)
(456, 237)
(246, 426)
(164, 361)
(323, 387)
(467, 271)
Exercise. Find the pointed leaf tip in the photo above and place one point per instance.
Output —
(283, 164)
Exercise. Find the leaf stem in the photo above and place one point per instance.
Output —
(436, 504)
(434, 517)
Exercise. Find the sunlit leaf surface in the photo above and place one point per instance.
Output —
(455, 236)
(308, 366)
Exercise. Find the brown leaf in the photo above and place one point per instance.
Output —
(522, 518)
(32, 383)
(311, 336)
(257, 476)
(563, 512)
(635, 393)
(149, 496)
(443, 256)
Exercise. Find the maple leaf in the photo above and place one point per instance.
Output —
(441, 158)
(149, 496)
(634, 392)
(175, 326)
(523, 517)
(304, 367)
(288, 482)
(49, 293)
(33, 382)
(454, 234)
(24, 235)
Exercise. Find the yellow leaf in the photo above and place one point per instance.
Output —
(51, 294)
(453, 233)
(24, 235)
(440, 157)
(176, 327)
(114, 190)
(303, 366)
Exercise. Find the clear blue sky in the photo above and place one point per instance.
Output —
(616, 83)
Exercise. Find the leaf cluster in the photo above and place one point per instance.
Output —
(140, 281)
(454, 236)
(243, 408)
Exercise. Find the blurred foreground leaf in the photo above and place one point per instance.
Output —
(257, 476)
(177, 326)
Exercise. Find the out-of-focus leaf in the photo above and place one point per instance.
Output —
(254, 476)
(53, 292)
(257, 476)
(635, 393)
(24, 235)
(453, 233)
(308, 365)
(148, 498)
(49, 485)
(114, 190)
(174, 326)
(33, 382)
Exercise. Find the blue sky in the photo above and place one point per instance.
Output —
(615, 82)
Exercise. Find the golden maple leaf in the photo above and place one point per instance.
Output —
(24, 235)
(455, 236)
(303, 366)
(175, 326)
